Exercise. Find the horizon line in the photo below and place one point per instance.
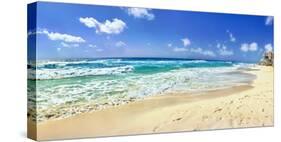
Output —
(177, 58)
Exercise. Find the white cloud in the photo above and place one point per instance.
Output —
(116, 26)
(231, 37)
(92, 46)
(218, 45)
(223, 50)
(194, 50)
(246, 47)
(170, 45)
(203, 52)
(30, 33)
(253, 46)
(58, 49)
(65, 37)
(69, 45)
(209, 53)
(141, 13)
(177, 49)
(269, 20)
(60, 36)
(120, 44)
(268, 47)
(186, 42)
(64, 44)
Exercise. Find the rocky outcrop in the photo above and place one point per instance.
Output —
(268, 59)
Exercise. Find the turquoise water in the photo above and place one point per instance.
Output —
(81, 82)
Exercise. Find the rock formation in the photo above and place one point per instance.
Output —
(268, 59)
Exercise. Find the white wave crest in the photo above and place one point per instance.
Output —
(42, 74)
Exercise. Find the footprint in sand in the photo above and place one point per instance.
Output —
(178, 119)
(218, 110)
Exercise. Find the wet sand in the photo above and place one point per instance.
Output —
(236, 107)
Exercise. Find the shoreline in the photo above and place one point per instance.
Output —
(69, 109)
(234, 107)
(93, 106)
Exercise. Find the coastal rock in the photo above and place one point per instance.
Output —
(268, 59)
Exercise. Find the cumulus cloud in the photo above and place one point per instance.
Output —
(231, 37)
(269, 20)
(142, 13)
(249, 47)
(268, 47)
(115, 26)
(203, 52)
(181, 49)
(60, 36)
(186, 42)
(223, 50)
(120, 44)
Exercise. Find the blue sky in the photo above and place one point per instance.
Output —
(90, 31)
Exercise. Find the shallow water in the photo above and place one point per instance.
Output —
(74, 84)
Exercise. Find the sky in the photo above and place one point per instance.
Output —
(91, 31)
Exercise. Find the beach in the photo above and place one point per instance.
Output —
(246, 105)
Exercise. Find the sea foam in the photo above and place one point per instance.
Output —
(104, 82)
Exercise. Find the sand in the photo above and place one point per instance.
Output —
(236, 107)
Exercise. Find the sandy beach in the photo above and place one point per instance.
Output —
(241, 106)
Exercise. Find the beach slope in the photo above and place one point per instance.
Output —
(236, 107)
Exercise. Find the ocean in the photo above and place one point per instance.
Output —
(62, 88)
